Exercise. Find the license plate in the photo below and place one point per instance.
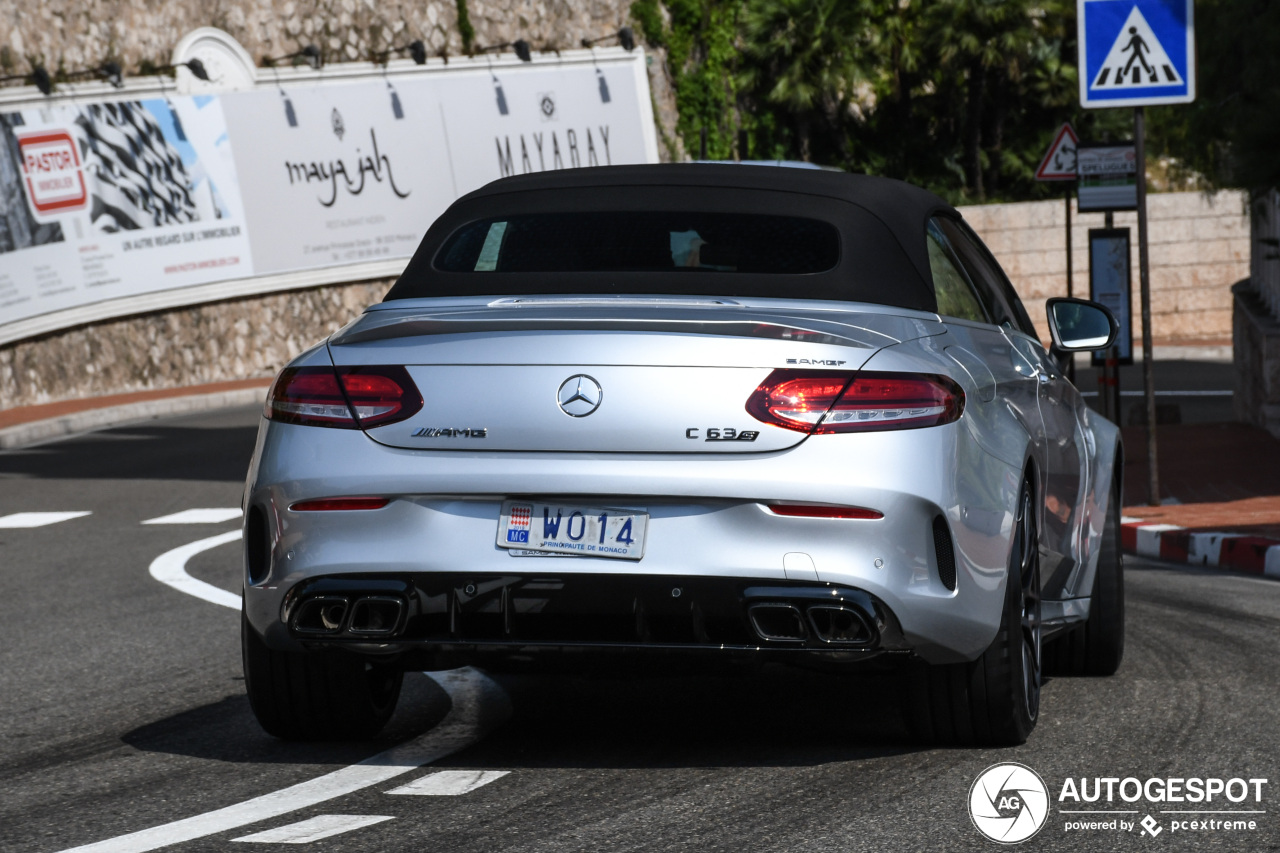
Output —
(585, 531)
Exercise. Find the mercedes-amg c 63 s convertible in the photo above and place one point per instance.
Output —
(713, 412)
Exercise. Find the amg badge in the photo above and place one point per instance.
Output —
(821, 362)
(723, 434)
(448, 432)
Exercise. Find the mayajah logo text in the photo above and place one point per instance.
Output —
(354, 179)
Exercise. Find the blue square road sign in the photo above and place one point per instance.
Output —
(1136, 53)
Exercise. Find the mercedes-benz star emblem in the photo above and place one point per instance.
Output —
(579, 396)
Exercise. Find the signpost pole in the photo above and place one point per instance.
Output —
(1071, 362)
(1144, 274)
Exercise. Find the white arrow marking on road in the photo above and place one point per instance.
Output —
(450, 783)
(313, 829)
(470, 692)
(171, 568)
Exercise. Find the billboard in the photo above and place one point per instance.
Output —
(100, 202)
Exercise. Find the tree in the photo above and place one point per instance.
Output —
(1231, 133)
(808, 60)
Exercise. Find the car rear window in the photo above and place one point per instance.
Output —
(642, 241)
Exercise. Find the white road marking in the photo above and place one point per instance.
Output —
(313, 829)
(450, 783)
(471, 694)
(38, 519)
(470, 691)
(171, 568)
(198, 516)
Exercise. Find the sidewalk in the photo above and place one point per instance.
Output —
(25, 425)
(1226, 479)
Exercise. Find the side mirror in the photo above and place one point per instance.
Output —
(1078, 325)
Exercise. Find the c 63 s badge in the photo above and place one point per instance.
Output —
(721, 434)
(449, 432)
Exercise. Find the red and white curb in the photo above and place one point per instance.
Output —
(1257, 555)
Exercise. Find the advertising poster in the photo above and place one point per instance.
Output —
(344, 173)
(104, 200)
(1109, 283)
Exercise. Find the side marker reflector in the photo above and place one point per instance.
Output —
(339, 504)
(818, 511)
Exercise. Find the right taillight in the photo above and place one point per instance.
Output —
(343, 397)
(818, 402)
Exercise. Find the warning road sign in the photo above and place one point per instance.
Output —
(1136, 52)
(1060, 163)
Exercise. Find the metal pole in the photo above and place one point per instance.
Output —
(1144, 268)
(1071, 359)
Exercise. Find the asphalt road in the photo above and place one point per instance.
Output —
(122, 709)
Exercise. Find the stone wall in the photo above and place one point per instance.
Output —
(217, 342)
(76, 34)
(1199, 247)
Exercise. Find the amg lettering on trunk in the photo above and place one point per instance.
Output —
(449, 432)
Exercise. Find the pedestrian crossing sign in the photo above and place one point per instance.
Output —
(1136, 53)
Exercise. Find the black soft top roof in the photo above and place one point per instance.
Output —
(881, 221)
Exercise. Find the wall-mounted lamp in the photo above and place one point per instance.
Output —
(195, 66)
(521, 47)
(39, 77)
(109, 71)
(309, 55)
(625, 36)
(417, 51)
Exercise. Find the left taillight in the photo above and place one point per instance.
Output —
(820, 402)
(343, 397)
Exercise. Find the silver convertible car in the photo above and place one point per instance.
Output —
(712, 413)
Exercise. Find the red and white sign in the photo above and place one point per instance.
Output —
(55, 179)
(1060, 163)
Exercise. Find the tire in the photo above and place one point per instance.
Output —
(995, 700)
(1097, 646)
(318, 695)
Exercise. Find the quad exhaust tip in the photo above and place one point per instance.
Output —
(366, 616)
(778, 622)
(831, 624)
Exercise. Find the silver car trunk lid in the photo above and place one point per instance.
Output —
(647, 376)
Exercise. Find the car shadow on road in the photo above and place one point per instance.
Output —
(227, 731)
(769, 718)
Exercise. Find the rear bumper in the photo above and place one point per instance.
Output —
(457, 618)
